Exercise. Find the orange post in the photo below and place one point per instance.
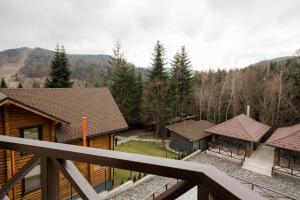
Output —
(83, 120)
(13, 171)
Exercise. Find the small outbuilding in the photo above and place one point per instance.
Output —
(286, 141)
(189, 135)
(237, 137)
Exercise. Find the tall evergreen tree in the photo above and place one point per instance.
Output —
(138, 96)
(59, 70)
(158, 63)
(181, 83)
(124, 86)
(156, 108)
(3, 83)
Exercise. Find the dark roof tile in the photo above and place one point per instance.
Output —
(286, 138)
(70, 104)
(241, 127)
(191, 129)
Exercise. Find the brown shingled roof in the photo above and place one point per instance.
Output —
(241, 127)
(70, 104)
(286, 138)
(191, 129)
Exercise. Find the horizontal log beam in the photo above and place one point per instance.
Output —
(18, 176)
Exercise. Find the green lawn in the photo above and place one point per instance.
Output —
(146, 148)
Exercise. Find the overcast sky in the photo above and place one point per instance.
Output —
(216, 33)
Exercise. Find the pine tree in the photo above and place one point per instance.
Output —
(124, 86)
(138, 96)
(59, 70)
(181, 83)
(156, 109)
(117, 60)
(20, 85)
(158, 71)
(3, 83)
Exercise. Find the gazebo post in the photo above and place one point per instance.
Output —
(290, 155)
(279, 152)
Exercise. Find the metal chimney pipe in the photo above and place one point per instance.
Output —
(248, 110)
(83, 121)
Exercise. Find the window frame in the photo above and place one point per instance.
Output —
(40, 137)
(32, 189)
(30, 127)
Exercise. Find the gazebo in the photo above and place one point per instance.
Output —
(237, 137)
(286, 141)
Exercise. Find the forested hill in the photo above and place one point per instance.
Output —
(27, 63)
(271, 87)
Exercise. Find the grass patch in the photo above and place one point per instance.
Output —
(139, 147)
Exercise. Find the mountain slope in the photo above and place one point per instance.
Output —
(23, 63)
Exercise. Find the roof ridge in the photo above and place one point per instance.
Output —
(244, 127)
(217, 125)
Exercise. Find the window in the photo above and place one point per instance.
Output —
(32, 180)
(33, 133)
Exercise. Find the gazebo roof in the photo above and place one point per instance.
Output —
(286, 138)
(241, 127)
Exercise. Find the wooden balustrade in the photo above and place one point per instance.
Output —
(55, 157)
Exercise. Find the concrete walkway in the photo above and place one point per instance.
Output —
(261, 160)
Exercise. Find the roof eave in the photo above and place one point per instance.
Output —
(234, 137)
(8, 100)
(281, 147)
(94, 135)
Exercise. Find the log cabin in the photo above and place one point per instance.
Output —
(55, 114)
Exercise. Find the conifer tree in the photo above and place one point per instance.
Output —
(3, 83)
(124, 86)
(158, 66)
(138, 90)
(156, 109)
(59, 70)
(181, 83)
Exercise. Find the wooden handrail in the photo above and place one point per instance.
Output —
(208, 178)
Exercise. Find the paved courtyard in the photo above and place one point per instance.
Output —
(281, 183)
(286, 185)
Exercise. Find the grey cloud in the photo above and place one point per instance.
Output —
(216, 32)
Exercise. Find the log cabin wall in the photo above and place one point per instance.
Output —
(98, 172)
(2, 152)
(13, 119)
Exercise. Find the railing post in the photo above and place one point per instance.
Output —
(49, 179)
(202, 192)
(105, 179)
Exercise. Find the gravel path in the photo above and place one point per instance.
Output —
(281, 183)
(143, 190)
(284, 184)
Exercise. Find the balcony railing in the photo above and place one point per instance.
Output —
(55, 157)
